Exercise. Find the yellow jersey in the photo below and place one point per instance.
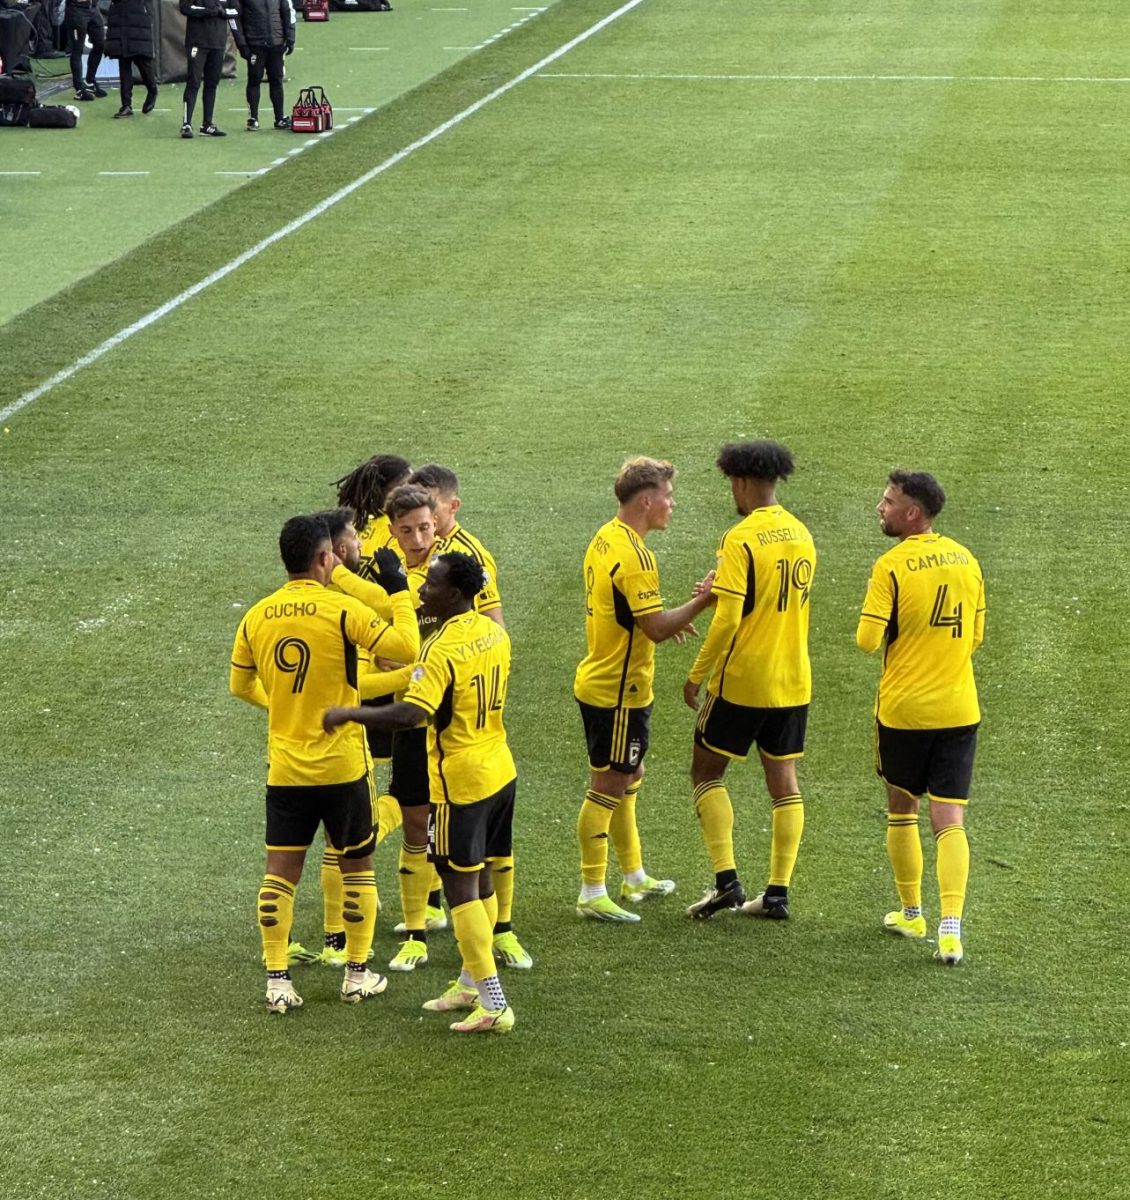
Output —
(462, 542)
(621, 584)
(377, 535)
(756, 651)
(927, 599)
(295, 654)
(460, 682)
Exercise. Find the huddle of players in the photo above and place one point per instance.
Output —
(925, 604)
(391, 601)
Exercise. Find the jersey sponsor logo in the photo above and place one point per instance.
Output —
(944, 558)
(290, 608)
(653, 594)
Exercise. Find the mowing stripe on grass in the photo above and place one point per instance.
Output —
(321, 207)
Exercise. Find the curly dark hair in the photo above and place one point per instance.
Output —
(464, 573)
(922, 488)
(366, 487)
(762, 459)
(299, 542)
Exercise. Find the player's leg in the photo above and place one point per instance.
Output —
(213, 69)
(780, 743)
(292, 821)
(333, 924)
(275, 76)
(508, 950)
(950, 777)
(637, 884)
(409, 784)
(256, 65)
(348, 819)
(96, 32)
(609, 779)
(901, 756)
(147, 69)
(195, 67)
(76, 41)
(125, 85)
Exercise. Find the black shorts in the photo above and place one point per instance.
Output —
(408, 781)
(731, 729)
(380, 742)
(464, 837)
(927, 762)
(345, 809)
(617, 737)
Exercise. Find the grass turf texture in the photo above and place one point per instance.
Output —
(874, 273)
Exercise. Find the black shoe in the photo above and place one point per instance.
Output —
(84, 94)
(150, 101)
(186, 130)
(211, 131)
(773, 908)
(252, 124)
(124, 111)
(716, 900)
(97, 89)
(282, 123)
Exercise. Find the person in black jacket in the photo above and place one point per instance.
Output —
(85, 21)
(268, 29)
(129, 39)
(205, 39)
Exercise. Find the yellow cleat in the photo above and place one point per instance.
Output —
(483, 1020)
(412, 954)
(646, 889)
(604, 908)
(907, 927)
(459, 996)
(949, 949)
(509, 951)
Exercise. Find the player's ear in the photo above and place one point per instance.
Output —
(456, 505)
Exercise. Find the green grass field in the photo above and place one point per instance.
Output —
(882, 234)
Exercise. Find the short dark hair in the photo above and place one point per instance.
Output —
(300, 541)
(464, 573)
(922, 488)
(336, 520)
(432, 475)
(365, 487)
(638, 475)
(761, 459)
(407, 497)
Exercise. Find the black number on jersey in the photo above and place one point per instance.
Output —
(590, 581)
(940, 619)
(292, 656)
(796, 578)
(487, 700)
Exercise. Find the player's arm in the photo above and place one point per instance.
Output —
(400, 640)
(723, 626)
(387, 719)
(489, 600)
(244, 681)
(877, 608)
(372, 595)
(669, 623)
(383, 683)
(979, 617)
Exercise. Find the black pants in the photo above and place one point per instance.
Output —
(82, 24)
(267, 59)
(206, 65)
(145, 68)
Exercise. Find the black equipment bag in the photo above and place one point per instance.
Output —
(52, 116)
(17, 99)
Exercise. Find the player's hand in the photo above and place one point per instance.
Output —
(386, 664)
(690, 694)
(687, 631)
(332, 718)
(389, 571)
(703, 585)
(290, 48)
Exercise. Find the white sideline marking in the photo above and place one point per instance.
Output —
(461, 47)
(260, 171)
(368, 47)
(123, 172)
(163, 310)
(859, 78)
(21, 172)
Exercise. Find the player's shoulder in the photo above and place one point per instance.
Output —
(463, 541)
(635, 555)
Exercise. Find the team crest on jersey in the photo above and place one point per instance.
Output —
(634, 753)
(417, 674)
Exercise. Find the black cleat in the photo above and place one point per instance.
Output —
(282, 123)
(716, 900)
(252, 124)
(774, 908)
(124, 111)
(97, 89)
(186, 130)
(150, 101)
(211, 131)
(84, 94)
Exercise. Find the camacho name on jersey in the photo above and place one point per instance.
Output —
(927, 598)
(756, 652)
(621, 584)
(460, 682)
(296, 654)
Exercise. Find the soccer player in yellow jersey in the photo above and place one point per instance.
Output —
(624, 619)
(926, 605)
(758, 679)
(295, 653)
(459, 688)
(443, 484)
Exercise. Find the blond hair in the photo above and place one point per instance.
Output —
(639, 474)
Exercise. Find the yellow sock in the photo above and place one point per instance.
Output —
(953, 868)
(503, 871)
(435, 888)
(716, 816)
(359, 909)
(626, 834)
(415, 879)
(592, 833)
(389, 816)
(331, 892)
(904, 849)
(275, 913)
(491, 907)
(788, 825)
(473, 932)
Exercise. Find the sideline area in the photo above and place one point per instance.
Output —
(84, 197)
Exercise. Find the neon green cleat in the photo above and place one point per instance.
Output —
(296, 952)
(412, 954)
(361, 985)
(949, 949)
(907, 927)
(646, 889)
(483, 1020)
(331, 956)
(281, 996)
(435, 919)
(604, 908)
(509, 951)
(458, 997)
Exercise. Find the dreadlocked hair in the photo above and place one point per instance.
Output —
(364, 489)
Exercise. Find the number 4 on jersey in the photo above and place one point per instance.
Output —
(940, 619)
